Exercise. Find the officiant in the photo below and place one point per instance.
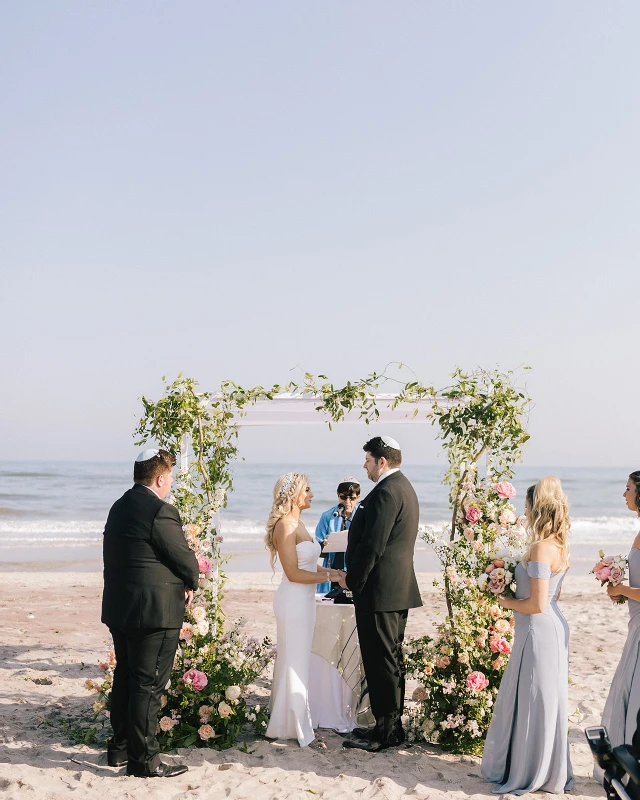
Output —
(336, 519)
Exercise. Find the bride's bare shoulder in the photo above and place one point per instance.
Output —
(285, 526)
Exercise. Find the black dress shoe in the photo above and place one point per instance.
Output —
(365, 734)
(161, 771)
(116, 759)
(369, 747)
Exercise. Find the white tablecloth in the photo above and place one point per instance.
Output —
(338, 695)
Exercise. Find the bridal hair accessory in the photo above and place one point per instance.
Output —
(145, 455)
(389, 442)
(287, 483)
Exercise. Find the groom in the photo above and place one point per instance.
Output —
(381, 576)
(149, 576)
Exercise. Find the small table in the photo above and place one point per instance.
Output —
(338, 695)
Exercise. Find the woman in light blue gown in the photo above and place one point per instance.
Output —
(527, 749)
(623, 703)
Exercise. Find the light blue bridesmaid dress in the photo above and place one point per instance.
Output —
(527, 749)
(623, 703)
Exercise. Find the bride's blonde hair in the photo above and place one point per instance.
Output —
(286, 492)
(547, 515)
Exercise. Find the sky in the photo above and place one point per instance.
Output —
(252, 190)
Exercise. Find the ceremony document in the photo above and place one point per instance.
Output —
(337, 542)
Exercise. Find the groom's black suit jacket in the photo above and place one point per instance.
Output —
(147, 563)
(381, 542)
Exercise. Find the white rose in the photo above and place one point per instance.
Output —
(202, 628)
(232, 692)
(198, 613)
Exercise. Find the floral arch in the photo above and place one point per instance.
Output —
(480, 415)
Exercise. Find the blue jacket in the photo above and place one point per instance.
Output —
(330, 522)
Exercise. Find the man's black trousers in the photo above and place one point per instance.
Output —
(144, 659)
(381, 634)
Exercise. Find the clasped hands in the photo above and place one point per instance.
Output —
(342, 579)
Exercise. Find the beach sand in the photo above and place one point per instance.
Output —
(51, 640)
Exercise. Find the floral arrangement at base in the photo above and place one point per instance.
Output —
(460, 668)
(611, 570)
(205, 702)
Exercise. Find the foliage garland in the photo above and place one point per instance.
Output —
(481, 412)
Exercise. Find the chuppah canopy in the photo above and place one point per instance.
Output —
(305, 409)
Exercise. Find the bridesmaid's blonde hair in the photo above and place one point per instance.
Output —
(547, 515)
(286, 492)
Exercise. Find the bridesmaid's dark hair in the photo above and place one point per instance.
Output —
(635, 477)
(530, 492)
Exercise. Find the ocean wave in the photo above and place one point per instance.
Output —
(602, 531)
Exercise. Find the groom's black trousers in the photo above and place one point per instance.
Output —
(381, 634)
(144, 659)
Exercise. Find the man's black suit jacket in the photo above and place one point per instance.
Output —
(381, 542)
(147, 563)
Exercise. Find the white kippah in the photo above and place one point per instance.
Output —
(389, 442)
(349, 479)
(145, 455)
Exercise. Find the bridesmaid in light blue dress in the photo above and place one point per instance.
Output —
(623, 703)
(527, 749)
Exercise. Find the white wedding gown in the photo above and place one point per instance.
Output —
(294, 605)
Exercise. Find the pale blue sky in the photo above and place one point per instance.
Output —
(234, 189)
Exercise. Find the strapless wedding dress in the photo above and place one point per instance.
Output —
(294, 605)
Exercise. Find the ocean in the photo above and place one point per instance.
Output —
(52, 513)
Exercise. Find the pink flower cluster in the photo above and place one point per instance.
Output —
(477, 681)
(195, 678)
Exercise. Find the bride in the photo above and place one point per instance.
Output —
(294, 607)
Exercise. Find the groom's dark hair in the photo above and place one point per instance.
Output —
(379, 449)
(146, 472)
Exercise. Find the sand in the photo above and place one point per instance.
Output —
(51, 640)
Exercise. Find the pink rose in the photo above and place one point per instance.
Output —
(196, 679)
(617, 575)
(206, 732)
(603, 574)
(443, 662)
(501, 625)
(469, 534)
(496, 585)
(477, 681)
(507, 517)
(473, 514)
(608, 561)
(500, 645)
(204, 565)
(103, 666)
(186, 632)
(498, 662)
(505, 489)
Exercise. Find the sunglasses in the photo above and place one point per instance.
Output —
(343, 496)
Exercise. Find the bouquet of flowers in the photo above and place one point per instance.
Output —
(611, 570)
(497, 577)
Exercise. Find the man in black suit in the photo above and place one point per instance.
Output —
(149, 577)
(381, 576)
